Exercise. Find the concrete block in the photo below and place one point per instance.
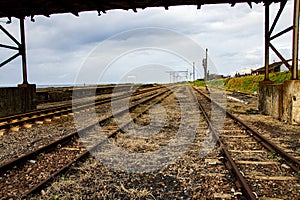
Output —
(291, 101)
(15, 100)
(270, 99)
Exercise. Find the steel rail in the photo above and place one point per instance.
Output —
(293, 162)
(33, 153)
(86, 153)
(58, 110)
(233, 166)
(65, 106)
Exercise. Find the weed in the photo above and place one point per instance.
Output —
(272, 154)
(56, 197)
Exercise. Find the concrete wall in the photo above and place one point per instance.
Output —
(270, 99)
(291, 101)
(14, 100)
(280, 101)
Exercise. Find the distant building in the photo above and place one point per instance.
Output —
(246, 71)
(274, 67)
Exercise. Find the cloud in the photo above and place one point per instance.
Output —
(58, 46)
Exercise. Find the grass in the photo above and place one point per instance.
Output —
(246, 84)
(198, 83)
(272, 154)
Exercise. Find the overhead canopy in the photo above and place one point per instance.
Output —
(22, 8)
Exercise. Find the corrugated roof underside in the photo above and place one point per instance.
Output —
(21, 8)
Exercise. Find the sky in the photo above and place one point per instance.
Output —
(123, 46)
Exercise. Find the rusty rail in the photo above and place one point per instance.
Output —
(41, 114)
(233, 166)
(84, 154)
(67, 138)
(293, 162)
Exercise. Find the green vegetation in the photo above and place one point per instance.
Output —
(246, 84)
(272, 154)
(219, 83)
(56, 197)
(198, 83)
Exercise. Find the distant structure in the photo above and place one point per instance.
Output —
(205, 64)
(246, 71)
(176, 76)
(274, 67)
(214, 76)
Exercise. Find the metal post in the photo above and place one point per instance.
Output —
(206, 64)
(295, 41)
(193, 71)
(267, 41)
(23, 51)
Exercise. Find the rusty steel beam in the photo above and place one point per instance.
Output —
(9, 59)
(9, 47)
(23, 51)
(281, 32)
(295, 52)
(282, 5)
(269, 37)
(267, 40)
(9, 35)
(281, 57)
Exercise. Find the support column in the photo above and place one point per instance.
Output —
(295, 41)
(23, 51)
(267, 40)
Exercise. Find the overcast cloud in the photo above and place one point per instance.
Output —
(59, 46)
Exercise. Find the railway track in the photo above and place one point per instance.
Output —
(47, 114)
(181, 179)
(263, 170)
(28, 173)
(14, 144)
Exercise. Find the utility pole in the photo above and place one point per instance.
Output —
(193, 71)
(205, 63)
